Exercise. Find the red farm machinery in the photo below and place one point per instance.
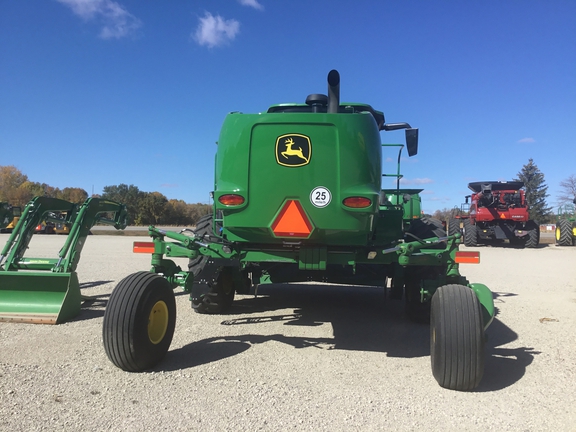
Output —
(495, 211)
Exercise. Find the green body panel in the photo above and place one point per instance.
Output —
(46, 290)
(345, 158)
(486, 300)
(313, 258)
(409, 199)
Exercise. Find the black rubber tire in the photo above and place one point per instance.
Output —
(456, 338)
(221, 294)
(203, 229)
(453, 226)
(139, 321)
(470, 233)
(563, 233)
(426, 228)
(533, 238)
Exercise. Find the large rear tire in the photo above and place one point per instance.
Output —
(563, 233)
(456, 338)
(203, 229)
(221, 294)
(533, 238)
(453, 226)
(470, 233)
(139, 321)
(425, 228)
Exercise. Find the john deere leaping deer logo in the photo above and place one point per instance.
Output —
(293, 150)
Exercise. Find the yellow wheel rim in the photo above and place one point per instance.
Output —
(557, 234)
(158, 322)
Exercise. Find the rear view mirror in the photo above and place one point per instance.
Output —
(412, 141)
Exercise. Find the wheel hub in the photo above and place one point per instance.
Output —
(158, 322)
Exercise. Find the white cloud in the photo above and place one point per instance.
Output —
(251, 3)
(215, 30)
(526, 141)
(117, 22)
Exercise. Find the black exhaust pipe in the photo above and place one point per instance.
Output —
(333, 91)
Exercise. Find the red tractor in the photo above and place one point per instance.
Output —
(497, 211)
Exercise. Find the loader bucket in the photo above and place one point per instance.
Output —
(39, 297)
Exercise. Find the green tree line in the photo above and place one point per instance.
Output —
(144, 208)
(153, 208)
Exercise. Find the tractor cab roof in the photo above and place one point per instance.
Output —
(317, 104)
(495, 185)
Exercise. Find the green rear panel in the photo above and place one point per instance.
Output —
(344, 156)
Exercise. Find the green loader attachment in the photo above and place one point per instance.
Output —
(46, 290)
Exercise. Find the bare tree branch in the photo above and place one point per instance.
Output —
(568, 190)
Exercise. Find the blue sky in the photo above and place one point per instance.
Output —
(103, 92)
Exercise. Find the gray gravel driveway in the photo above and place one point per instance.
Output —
(300, 357)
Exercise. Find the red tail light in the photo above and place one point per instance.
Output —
(231, 199)
(357, 202)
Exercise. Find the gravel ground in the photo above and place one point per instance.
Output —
(300, 357)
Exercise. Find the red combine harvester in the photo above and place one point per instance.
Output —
(497, 211)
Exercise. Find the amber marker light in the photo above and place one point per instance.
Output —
(467, 257)
(357, 202)
(231, 200)
(143, 247)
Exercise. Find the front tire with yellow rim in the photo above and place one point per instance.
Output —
(139, 321)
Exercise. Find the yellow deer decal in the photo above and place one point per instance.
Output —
(292, 152)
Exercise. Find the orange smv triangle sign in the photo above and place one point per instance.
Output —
(292, 221)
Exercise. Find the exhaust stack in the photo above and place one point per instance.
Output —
(333, 91)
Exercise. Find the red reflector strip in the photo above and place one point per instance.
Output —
(467, 257)
(143, 247)
(292, 221)
(357, 202)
